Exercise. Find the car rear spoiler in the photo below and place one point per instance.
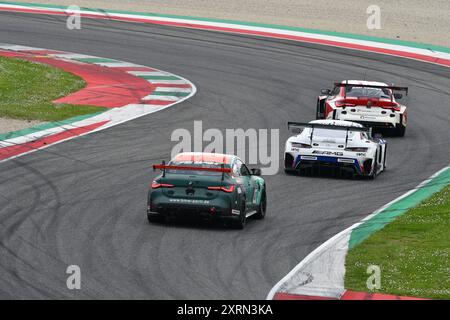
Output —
(394, 88)
(165, 167)
(302, 125)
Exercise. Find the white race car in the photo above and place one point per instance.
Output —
(336, 145)
(373, 104)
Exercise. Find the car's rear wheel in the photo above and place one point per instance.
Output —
(400, 130)
(242, 219)
(374, 173)
(290, 172)
(319, 112)
(154, 218)
(261, 212)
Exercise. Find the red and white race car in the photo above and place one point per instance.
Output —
(372, 104)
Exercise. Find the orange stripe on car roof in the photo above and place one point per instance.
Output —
(203, 157)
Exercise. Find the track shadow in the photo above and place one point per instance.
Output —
(200, 224)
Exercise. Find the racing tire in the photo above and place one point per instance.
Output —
(241, 221)
(290, 172)
(155, 218)
(374, 174)
(261, 211)
(318, 116)
(400, 130)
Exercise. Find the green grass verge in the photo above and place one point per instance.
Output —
(413, 253)
(27, 90)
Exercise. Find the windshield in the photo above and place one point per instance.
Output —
(357, 92)
(198, 165)
(331, 135)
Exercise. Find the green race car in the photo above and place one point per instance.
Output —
(209, 186)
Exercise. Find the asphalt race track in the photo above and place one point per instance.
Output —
(83, 202)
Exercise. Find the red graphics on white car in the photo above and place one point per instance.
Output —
(373, 104)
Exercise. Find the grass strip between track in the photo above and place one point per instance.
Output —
(413, 252)
(28, 89)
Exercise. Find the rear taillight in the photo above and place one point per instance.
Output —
(300, 145)
(393, 109)
(344, 104)
(356, 149)
(156, 185)
(228, 189)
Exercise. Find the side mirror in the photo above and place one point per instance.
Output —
(326, 92)
(296, 130)
(398, 95)
(255, 171)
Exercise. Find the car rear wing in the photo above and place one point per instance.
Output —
(189, 168)
(302, 125)
(393, 88)
(165, 167)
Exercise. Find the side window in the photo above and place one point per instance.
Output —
(236, 169)
(335, 91)
(245, 171)
(380, 155)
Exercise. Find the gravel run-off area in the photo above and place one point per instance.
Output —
(426, 21)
